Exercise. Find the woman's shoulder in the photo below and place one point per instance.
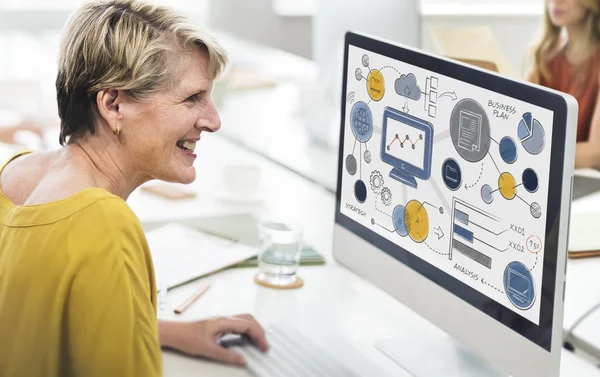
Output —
(110, 213)
(108, 229)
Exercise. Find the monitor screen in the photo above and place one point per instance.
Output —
(478, 224)
(405, 143)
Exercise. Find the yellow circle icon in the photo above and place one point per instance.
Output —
(507, 186)
(375, 85)
(416, 221)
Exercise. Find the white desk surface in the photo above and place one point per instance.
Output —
(583, 275)
(335, 308)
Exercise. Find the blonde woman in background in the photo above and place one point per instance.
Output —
(567, 58)
(77, 288)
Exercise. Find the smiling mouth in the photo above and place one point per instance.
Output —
(187, 146)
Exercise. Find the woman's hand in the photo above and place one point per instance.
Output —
(200, 337)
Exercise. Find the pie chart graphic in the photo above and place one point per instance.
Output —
(531, 134)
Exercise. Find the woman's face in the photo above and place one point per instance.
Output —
(566, 12)
(160, 133)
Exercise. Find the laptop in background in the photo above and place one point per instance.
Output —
(583, 186)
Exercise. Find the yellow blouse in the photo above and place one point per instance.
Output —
(77, 292)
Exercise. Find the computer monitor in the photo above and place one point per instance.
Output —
(406, 144)
(479, 249)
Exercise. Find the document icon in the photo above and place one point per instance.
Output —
(469, 131)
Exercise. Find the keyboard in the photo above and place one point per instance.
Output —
(290, 355)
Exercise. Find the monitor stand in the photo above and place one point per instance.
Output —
(437, 357)
(404, 177)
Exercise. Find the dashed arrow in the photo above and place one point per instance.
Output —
(476, 182)
(432, 249)
(536, 262)
(491, 286)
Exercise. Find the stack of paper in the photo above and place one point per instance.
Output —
(181, 254)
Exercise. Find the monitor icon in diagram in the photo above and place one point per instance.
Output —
(519, 286)
(406, 144)
(451, 174)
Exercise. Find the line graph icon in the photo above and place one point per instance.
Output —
(406, 139)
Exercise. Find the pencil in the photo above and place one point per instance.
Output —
(203, 288)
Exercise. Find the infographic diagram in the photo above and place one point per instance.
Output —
(453, 173)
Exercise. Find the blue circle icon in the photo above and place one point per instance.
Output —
(398, 218)
(530, 180)
(487, 193)
(360, 191)
(519, 285)
(361, 121)
(451, 174)
(508, 150)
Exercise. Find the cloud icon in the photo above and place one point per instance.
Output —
(406, 86)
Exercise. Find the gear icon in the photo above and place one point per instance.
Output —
(376, 181)
(386, 196)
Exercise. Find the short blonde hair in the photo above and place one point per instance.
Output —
(125, 45)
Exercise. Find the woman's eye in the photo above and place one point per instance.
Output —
(194, 98)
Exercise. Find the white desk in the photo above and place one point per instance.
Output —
(336, 308)
(583, 275)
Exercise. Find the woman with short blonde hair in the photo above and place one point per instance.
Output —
(77, 285)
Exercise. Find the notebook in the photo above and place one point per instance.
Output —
(583, 237)
(181, 253)
(308, 257)
(242, 227)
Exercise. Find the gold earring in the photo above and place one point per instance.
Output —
(118, 130)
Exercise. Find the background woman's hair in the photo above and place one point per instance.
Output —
(550, 41)
(126, 45)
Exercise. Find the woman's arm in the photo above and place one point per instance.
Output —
(200, 337)
(110, 322)
(587, 154)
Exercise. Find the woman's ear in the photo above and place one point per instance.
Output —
(109, 102)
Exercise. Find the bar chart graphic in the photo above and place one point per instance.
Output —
(475, 233)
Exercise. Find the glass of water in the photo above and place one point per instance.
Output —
(279, 252)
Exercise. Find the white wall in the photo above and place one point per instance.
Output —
(256, 20)
(515, 25)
